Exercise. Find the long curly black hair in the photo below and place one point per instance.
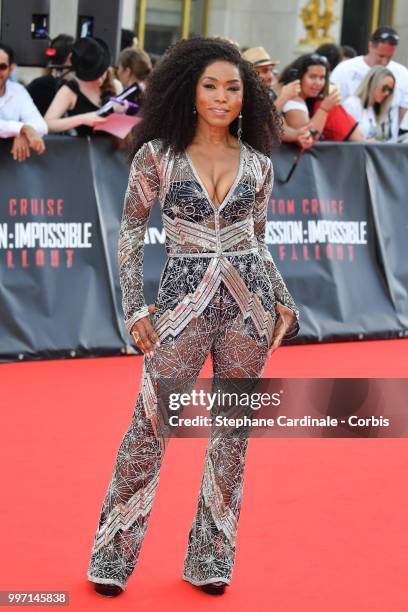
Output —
(171, 92)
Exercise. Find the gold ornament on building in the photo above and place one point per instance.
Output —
(317, 24)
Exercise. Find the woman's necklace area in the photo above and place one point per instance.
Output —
(216, 202)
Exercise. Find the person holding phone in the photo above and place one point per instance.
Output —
(316, 105)
(264, 66)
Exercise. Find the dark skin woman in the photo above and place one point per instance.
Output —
(217, 91)
(203, 151)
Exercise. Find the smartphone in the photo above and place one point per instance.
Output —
(334, 87)
(293, 74)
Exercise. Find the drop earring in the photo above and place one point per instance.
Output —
(194, 110)
(239, 131)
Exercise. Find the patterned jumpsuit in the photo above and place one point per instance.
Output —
(217, 296)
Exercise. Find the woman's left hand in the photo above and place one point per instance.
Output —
(283, 323)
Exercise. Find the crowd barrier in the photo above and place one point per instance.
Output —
(338, 231)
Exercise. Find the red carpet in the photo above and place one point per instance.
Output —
(323, 522)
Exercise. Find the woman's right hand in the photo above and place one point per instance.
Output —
(91, 119)
(330, 101)
(144, 335)
(290, 90)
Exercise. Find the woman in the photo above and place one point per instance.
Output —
(372, 105)
(202, 150)
(80, 98)
(316, 105)
(134, 67)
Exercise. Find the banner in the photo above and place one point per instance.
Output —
(325, 240)
(337, 230)
(56, 294)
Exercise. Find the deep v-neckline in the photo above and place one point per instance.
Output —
(230, 190)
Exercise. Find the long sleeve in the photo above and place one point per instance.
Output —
(141, 193)
(18, 109)
(281, 292)
(9, 129)
(30, 115)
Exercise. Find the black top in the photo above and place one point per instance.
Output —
(82, 105)
(85, 105)
(42, 91)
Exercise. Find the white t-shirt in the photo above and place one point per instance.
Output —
(349, 74)
(388, 130)
(295, 105)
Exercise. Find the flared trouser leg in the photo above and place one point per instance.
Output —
(128, 502)
(129, 498)
(211, 549)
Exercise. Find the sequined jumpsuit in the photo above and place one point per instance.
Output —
(217, 296)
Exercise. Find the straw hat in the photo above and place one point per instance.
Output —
(259, 57)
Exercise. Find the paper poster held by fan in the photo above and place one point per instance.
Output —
(117, 124)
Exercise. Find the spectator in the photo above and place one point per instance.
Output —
(315, 104)
(333, 53)
(81, 97)
(43, 89)
(128, 39)
(19, 118)
(348, 52)
(263, 65)
(134, 67)
(381, 48)
(372, 105)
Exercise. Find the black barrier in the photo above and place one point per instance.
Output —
(337, 231)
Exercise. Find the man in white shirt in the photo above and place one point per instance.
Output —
(19, 117)
(381, 48)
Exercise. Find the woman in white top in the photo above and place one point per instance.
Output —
(315, 104)
(372, 105)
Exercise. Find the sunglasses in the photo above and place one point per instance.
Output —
(387, 36)
(315, 57)
(387, 89)
(4, 66)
